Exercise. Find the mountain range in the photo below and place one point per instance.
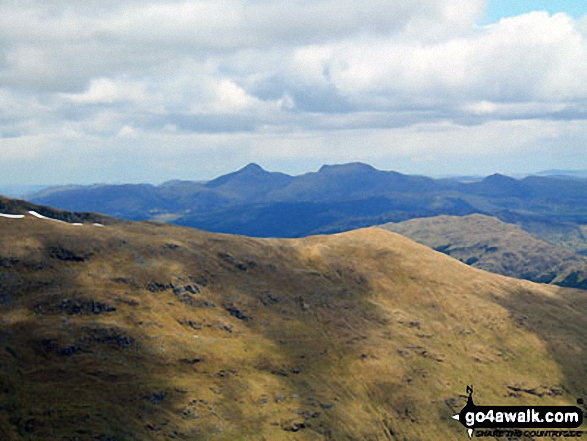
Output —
(337, 198)
(147, 331)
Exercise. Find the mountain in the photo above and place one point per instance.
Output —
(498, 185)
(573, 174)
(130, 201)
(150, 331)
(337, 198)
(20, 191)
(351, 181)
(10, 206)
(251, 183)
(295, 219)
(492, 245)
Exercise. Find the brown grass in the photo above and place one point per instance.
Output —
(358, 336)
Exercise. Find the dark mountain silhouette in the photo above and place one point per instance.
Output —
(498, 185)
(337, 198)
(250, 182)
(351, 181)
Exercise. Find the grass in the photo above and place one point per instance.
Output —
(364, 335)
(492, 245)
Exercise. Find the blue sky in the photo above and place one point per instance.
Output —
(498, 9)
(153, 90)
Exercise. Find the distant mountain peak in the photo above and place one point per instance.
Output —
(252, 168)
(252, 176)
(501, 185)
(350, 166)
(498, 177)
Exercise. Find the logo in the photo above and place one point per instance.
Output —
(515, 417)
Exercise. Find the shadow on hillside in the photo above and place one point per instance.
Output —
(561, 323)
(318, 313)
(73, 365)
(70, 375)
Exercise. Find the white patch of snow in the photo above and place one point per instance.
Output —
(40, 216)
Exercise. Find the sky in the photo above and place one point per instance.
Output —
(153, 90)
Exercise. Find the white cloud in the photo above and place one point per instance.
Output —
(107, 91)
(22, 148)
(526, 58)
(127, 131)
(314, 75)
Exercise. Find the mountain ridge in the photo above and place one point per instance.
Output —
(150, 331)
(21, 207)
(338, 198)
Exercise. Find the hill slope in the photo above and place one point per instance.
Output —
(147, 331)
(492, 245)
(19, 207)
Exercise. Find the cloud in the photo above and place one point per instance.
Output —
(533, 57)
(107, 91)
(105, 73)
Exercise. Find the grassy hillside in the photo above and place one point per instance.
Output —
(16, 206)
(492, 245)
(147, 331)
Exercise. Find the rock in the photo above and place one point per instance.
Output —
(156, 397)
(191, 360)
(225, 327)
(51, 345)
(74, 306)
(269, 299)
(308, 414)
(199, 280)
(107, 336)
(158, 287)
(237, 313)
(238, 265)
(129, 302)
(179, 290)
(8, 262)
(187, 299)
(65, 254)
(192, 324)
(295, 427)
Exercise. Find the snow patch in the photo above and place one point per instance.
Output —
(40, 216)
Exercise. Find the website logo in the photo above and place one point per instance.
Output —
(514, 417)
